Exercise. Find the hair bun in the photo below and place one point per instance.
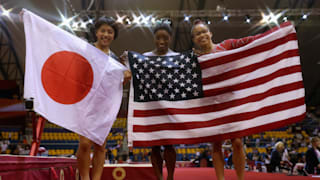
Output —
(198, 21)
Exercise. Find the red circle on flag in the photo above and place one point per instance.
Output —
(67, 77)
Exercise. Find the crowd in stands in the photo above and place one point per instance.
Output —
(12, 142)
(293, 149)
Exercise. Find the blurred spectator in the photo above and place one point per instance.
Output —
(293, 156)
(276, 157)
(313, 157)
(315, 132)
(299, 167)
(4, 146)
(114, 153)
(26, 150)
(267, 160)
(229, 161)
(255, 154)
(185, 158)
(286, 161)
(123, 149)
(205, 159)
(42, 151)
(108, 154)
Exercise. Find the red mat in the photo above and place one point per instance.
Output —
(145, 172)
(37, 168)
(26, 168)
(209, 174)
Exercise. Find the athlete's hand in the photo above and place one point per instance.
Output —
(124, 57)
(127, 77)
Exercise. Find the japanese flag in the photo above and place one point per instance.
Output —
(72, 83)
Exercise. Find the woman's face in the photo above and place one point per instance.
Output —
(317, 144)
(201, 36)
(162, 40)
(280, 148)
(105, 35)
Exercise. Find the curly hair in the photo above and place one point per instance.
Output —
(197, 22)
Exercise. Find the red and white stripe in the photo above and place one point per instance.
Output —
(247, 90)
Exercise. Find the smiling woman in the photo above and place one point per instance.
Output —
(106, 31)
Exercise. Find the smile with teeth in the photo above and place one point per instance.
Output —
(203, 40)
(105, 39)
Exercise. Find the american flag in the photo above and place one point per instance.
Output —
(186, 100)
(170, 78)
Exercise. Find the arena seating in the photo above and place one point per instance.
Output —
(61, 142)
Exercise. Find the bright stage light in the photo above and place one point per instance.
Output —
(128, 21)
(167, 21)
(304, 16)
(145, 19)
(271, 18)
(83, 24)
(74, 25)
(248, 19)
(136, 19)
(153, 20)
(225, 18)
(5, 12)
(66, 21)
(285, 19)
(187, 18)
(120, 19)
(90, 21)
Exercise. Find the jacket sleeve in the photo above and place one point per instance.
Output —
(237, 43)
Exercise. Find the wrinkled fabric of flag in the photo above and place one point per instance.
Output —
(186, 99)
(72, 83)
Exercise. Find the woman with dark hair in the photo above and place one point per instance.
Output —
(162, 35)
(202, 39)
(106, 31)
